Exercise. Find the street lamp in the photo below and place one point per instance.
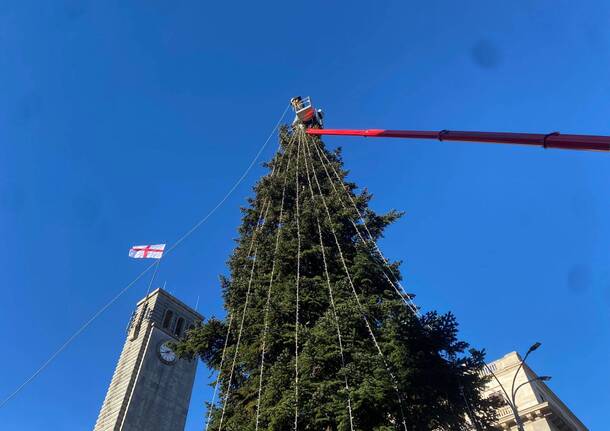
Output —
(533, 347)
(510, 400)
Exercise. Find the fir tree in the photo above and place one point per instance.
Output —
(361, 347)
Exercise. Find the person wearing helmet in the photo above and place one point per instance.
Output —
(297, 103)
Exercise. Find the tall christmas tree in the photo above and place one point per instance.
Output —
(319, 334)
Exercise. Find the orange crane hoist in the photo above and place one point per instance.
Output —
(312, 120)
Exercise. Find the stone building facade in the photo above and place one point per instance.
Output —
(151, 388)
(539, 408)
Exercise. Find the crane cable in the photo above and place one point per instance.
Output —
(269, 290)
(358, 302)
(393, 281)
(187, 234)
(331, 296)
(260, 223)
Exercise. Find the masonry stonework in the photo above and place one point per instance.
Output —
(151, 389)
(539, 407)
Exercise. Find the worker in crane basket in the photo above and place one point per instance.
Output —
(306, 114)
(297, 103)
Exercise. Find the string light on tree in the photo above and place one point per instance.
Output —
(367, 357)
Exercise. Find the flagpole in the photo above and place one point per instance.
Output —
(153, 276)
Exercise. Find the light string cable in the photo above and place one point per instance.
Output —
(100, 311)
(296, 323)
(260, 219)
(391, 278)
(330, 293)
(358, 302)
(252, 254)
(270, 288)
(222, 361)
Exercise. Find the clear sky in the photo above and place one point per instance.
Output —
(123, 123)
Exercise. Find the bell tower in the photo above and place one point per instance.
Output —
(151, 388)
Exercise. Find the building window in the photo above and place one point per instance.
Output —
(179, 327)
(143, 312)
(141, 316)
(136, 322)
(131, 322)
(167, 320)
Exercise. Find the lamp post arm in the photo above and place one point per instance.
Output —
(512, 387)
(508, 399)
(535, 379)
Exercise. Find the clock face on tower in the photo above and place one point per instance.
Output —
(166, 354)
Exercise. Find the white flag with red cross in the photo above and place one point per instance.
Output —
(147, 251)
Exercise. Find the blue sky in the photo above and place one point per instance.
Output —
(124, 122)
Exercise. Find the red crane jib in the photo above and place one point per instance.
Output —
(548, 140)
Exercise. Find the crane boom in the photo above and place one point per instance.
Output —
(548, 140)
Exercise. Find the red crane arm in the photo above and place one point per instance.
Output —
(549, 140)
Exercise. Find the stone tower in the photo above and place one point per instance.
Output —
(151, 388)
